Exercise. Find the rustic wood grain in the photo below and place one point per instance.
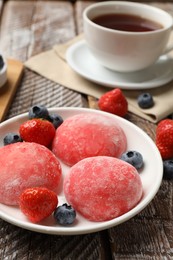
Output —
(30, 27)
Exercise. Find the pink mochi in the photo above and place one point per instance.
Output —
(102, 188)
(24, 165)
(88, 135)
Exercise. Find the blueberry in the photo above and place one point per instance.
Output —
(65, 214)
(11, 138)
(38, 111)
(1, 62)
(134, 158)
(168, 169)
(56, 120)
(145, 100)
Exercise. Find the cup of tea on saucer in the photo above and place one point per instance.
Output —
(126, 36)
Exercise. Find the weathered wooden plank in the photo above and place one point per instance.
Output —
(15, 28)
(144, 239)
(17, 243)
(30, 27)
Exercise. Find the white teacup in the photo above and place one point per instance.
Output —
(127, 51)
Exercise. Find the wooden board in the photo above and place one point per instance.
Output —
(7, 92)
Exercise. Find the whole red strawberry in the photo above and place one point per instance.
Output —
(37, 130)
(38, 203)
(164, 138)
(114, 102)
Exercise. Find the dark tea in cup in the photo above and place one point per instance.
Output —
(126, 22)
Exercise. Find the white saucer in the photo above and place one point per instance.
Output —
(82, 61)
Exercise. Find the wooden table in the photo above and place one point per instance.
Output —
(28, 28)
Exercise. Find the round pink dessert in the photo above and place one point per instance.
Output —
(102, 188)
(88, 135)
(24, 165)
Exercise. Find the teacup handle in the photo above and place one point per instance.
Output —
(168, 49)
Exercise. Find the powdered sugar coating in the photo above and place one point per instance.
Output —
(87, 135)
(24, 165)
(102, 188)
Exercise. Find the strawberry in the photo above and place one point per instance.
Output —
(166, 153)
(164, 138)
(37, 130)
(114, 102)
(38, 203)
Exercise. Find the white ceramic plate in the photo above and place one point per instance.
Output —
(82, 62)
(151, 177)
